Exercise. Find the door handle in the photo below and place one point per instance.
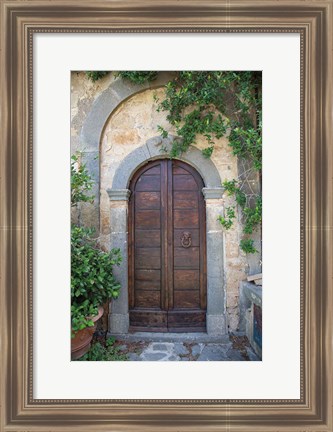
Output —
(186, 239)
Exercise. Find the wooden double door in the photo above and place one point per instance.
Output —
(167, 249)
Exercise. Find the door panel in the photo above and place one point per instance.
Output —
(147, 258)
(147, 238)
(186, 218)
(148, 200)
(147, 299)
(184, 183)
(167, 263)
(186, 279)
(147, 219)
(186, 258)
(148, 183)
(185, 199)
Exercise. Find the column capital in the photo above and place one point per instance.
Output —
(119, 194)
(212, 193)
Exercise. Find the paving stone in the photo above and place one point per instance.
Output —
(177, 351)
(133, 357)
(150, 356)
(235, 355)
(213, 352)
(179, 348)
(196, 349)
(252, 355)
(173, 358)
(161, 346)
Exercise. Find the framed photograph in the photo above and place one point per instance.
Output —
(96, 97)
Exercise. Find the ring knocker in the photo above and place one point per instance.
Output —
(186, 240)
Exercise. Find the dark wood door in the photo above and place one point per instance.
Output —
(167, 241)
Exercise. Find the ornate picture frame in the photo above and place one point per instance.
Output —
(312, 20)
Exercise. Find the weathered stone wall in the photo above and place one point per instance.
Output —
(129, 126)
(83, 95)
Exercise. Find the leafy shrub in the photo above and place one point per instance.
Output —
(81, 182)
(92, 280)
(99, 352)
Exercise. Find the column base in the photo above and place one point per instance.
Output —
(118, 323)
(216, 325)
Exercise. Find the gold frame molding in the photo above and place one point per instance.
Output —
(20, 20)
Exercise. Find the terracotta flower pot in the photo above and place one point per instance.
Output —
(81, 342)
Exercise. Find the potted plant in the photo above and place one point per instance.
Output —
(92, 284)
(92, 280)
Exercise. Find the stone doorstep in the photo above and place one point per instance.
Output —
(170, 337)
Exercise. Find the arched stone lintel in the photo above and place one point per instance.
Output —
(118, 91)
(106, 103)
(157, 148)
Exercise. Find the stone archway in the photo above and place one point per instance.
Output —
(105, 104)
(156, 148)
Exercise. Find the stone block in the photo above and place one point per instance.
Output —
(119, 323)
(127, 167)
(213, 211)
(98, 115)
(216, 325)
(118, 219)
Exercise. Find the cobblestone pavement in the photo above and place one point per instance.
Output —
(234, 349)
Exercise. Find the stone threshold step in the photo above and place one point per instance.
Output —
(171, 337)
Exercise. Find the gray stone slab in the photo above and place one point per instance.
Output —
(175, 337)
(151, 356)
(161, 347)
(235, 355)
(197, 349)
(173, 358)
(213, 352)
(252, 355)
(180, 348)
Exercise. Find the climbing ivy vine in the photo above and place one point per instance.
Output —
(138, 77)
(216, 104)
(96, 75)
(213, 104)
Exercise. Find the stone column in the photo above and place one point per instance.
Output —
(119, 318)
(216, 307)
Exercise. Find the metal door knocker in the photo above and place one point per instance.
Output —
(186, 240)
